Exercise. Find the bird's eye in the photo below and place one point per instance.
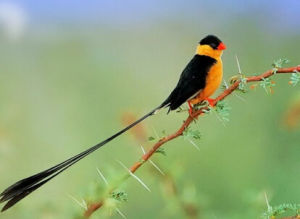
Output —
(213, 45)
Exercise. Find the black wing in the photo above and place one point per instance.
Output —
(191, 81)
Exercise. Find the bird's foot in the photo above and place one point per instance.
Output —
(190, 108)
(211, 102)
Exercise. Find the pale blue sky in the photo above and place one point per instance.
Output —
(131, 11)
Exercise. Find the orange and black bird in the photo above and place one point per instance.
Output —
(198, 81)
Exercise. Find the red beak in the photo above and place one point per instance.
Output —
(221, 46)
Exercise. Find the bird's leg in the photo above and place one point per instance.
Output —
(210, 101)
(190, 108)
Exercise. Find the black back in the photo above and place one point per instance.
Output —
(191, 81)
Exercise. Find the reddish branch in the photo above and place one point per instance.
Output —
(94, 206)
(293, 217)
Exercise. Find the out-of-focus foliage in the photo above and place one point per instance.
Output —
(279, 210)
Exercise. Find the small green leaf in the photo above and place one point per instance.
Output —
(242, 84)
(279, 64)
(151, 138)
(119, 196)
(161, 151)
(222, 109)
(281, 209)
(189, 133)
(223, 87)
(295, 78)
(267, 84)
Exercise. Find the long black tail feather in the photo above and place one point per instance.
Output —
(19, 190)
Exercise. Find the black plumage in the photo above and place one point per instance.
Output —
(211, 40)
(191, 81)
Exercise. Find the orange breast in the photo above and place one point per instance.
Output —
(213, 81)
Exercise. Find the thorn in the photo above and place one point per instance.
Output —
(226, 85)
(155, 132)
(102, 176)
(120, 213)
(153, 164)
(196, 122)
(134, 176)
(241, 98)
(238, 64)
(194, 144)
(156, 167)
(221, 120)
(81, 204)
(267, 201)
(84, 204)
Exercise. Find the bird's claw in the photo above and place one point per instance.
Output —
(210, 101)
(190, 108)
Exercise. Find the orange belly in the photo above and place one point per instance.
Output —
(213, 81)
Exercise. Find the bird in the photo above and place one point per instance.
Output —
(198, 81)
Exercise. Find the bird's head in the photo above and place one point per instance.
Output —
(211, 46)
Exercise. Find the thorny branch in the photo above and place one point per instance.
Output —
(94, 206)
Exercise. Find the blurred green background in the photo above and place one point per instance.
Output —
(71, 71)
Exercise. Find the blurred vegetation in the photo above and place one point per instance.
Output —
(63, 90)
